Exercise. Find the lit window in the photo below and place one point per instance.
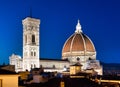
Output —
(78, 68)
(71, 67)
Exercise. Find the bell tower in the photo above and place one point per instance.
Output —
(30, 43)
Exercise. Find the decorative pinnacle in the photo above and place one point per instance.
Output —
(78, 27)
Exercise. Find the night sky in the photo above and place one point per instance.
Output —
(100, 21)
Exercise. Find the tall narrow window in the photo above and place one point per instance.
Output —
(34, 53)
(31, 53)
(33, 39)
(25, 39)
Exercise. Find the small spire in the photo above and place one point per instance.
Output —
(78, 27)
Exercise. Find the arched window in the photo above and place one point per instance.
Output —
(33, 39)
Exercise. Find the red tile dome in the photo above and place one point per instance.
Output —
(78, 44)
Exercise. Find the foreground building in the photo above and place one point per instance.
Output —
(8, 78)
(77, 48)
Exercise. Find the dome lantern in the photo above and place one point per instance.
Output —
(78, 27)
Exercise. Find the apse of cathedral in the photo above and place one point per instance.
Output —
(77, 48)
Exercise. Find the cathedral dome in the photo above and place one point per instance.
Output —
(78, 42)
(78, 45)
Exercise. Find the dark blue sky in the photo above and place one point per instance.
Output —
(100, 20)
